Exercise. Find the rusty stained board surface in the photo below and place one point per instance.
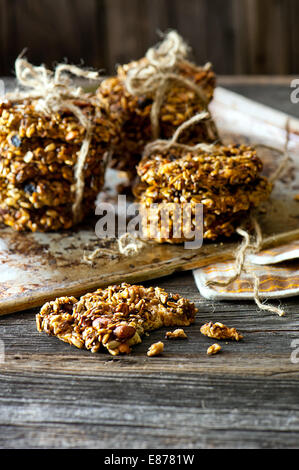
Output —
(38, 267)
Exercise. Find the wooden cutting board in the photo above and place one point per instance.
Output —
(38, 267)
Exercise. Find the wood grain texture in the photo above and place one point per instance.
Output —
(53, 395)
(238, 36)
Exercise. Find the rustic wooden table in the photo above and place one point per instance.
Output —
(55, 396)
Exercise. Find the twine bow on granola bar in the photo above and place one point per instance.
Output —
(55, 92)
(162, 144)
(158, 71)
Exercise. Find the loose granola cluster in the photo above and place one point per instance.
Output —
(179, 333)
(214, 349)
(225, 180)
(220, 331)
(38, 156)
(114, 318)
(131, 114)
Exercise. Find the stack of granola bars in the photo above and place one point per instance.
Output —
(131, 114)
(225, 180)
(149, 100)
(38, 157)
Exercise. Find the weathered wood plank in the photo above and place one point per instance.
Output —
(151, 411)
(238, 36)
(52, 31)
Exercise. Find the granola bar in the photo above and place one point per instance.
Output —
(25, 159)
(180, 169)
(34, 194)
(46, 219)
(24, 119)
(176, 230)
(131, 114)
(226, 199)
(114, 318)
(225, 180)
(222, 210)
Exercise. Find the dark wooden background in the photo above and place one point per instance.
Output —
(238, 36)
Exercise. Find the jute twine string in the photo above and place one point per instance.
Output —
(161, 144)
(246, 245)
(127, 245)
(156, 75)
(256, 246)
(55, 92)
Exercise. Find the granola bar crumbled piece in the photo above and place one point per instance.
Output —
(220, 331)
(155, 349)
(179, 333)
(114, 318)
(214, 349)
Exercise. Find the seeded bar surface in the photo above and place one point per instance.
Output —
(227, 199)
(24, 159)
(224, 165)
(24, 119)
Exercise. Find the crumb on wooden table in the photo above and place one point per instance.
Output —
(214, 349)
(155, 349)
(220, 331)
(176, 334)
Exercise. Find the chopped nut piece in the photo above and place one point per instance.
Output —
(176, 334)
(114, 318)
(156, 349)
(214, 349)
(220, 331)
